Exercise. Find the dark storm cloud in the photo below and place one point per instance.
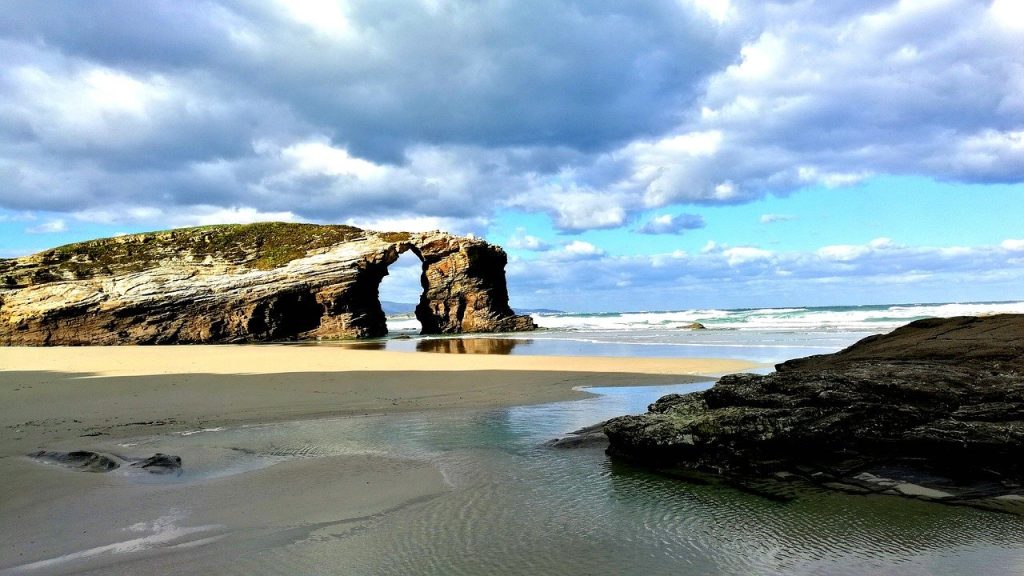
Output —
(134, 89)
(589, 111)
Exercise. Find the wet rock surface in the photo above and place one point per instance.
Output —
(586, 437)
(933, 410)
(82, 460)
(88, 461)
(160, 464)
(246, 283)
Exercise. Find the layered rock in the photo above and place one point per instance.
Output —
(258, 282)
(934, 409)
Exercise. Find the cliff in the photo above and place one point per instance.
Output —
(932, 410)
(246, 283)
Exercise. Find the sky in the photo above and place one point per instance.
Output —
(666, 154)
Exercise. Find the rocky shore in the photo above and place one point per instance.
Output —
(933, 410)
(246, 283)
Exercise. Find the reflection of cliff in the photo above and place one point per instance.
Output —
(469, 345)
(246, 283)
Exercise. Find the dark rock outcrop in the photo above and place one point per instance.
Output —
(160, 463)
(932, 410)
(82, 460)
(88, 461)
(246, 283)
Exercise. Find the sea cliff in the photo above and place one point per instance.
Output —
(246, 283)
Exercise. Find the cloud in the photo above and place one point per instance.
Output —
(672, 224)
(881, 271)
(773, 218)
(523, 241)
(1013, 245)
(451, 111)
(48, 227)
(578, 249)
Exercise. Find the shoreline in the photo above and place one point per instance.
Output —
(91, 398)
(52, 395)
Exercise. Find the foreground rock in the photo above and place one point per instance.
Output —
(160, 463)
(82, 460)
(934, 410)
(87, 461)
(246, 283)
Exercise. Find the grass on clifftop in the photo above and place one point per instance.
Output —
(262, 246)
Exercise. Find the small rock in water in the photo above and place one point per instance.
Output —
(582, 438)
(79, 460)
(160, 464)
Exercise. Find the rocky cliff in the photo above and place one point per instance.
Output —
(246, 283)
(934, 410)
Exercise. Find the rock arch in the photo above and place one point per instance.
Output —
(193, 286)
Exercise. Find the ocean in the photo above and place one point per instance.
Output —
(764, 335)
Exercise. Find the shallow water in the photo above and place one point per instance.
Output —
(518, 507)
(756, 346)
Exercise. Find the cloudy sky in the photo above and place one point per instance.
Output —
(629, 155)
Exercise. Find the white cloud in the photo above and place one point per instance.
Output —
(1013, 245)
(49, 227)
(319, 157)
(581, 249)
(236, 215)
(419, 224)
(1008, 14)
(773, 218)
(842, 252)
(744, 254)
(672, 224)
(325, 17)
(523, 241)
(718, 10)
(880, 271)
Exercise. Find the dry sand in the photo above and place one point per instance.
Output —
(56, 521)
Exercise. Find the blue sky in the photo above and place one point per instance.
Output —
(717, 153)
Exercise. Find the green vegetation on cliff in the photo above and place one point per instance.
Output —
(262, 246)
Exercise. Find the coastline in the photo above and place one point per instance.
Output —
(93, 398)
(51, 394)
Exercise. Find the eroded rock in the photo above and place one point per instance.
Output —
(246, 283)
(160, 463)
(935, 409)
(82, 460)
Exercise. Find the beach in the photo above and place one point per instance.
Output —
(58, 393)
(58, 520)
(338, 459)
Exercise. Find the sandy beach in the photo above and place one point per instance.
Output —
(57, 520)
(49, 394)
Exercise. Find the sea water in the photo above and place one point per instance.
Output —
(517, 506)
(767, 335)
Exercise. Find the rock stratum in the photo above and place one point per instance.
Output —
(246, 283)
(933, 410)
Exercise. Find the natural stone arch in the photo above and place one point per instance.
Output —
(247, 283)
(463, 287)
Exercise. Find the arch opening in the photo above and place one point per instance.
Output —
(400, 291)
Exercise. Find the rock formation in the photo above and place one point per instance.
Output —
(932, 410)
(246, 283)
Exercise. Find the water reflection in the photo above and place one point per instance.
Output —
(469, 345)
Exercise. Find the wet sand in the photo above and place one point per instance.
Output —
(55, 520)
(49, 394)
